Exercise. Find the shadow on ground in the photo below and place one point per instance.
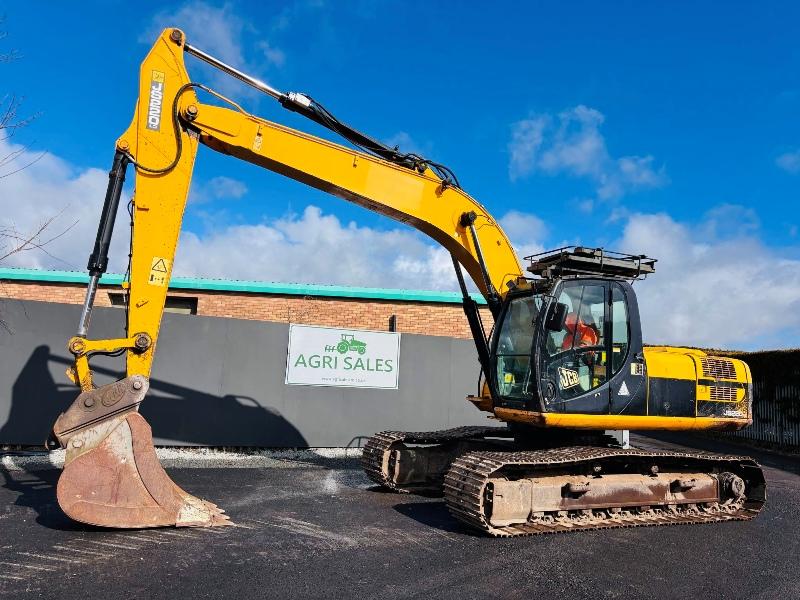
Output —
(36, 489)
(765, 458)
(183, 415)
(436, 515)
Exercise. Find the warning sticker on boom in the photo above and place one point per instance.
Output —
(159, 272)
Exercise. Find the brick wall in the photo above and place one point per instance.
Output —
(428, 318)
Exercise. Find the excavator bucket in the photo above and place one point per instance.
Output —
(112, 476)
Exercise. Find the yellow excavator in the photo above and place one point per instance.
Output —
(564, 361)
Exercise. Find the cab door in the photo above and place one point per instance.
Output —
(628, 383)
(585, 368)
(572, 362)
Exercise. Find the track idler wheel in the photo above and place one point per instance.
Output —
(112, 477)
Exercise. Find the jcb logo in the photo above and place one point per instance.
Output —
(156, 101)
(568, 378)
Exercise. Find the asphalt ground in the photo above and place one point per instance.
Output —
(316, 528)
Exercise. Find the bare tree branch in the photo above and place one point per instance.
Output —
(11, 240)
(25, 166)
(32, 242)
(11, 55)
(10, 119)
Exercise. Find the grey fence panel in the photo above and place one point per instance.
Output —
(220, 382)
(772, 422)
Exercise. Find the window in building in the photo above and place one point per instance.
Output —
(184, 305)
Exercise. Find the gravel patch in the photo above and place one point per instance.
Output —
(204, 458)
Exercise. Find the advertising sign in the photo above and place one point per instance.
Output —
(342, 357)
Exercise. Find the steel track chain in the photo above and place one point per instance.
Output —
(374, 459)
(466, 480)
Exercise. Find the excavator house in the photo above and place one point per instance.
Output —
(563, 364)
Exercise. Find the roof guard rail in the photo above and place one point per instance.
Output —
(580, 261)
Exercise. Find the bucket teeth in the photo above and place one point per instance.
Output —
(112, 478)
(195, 512)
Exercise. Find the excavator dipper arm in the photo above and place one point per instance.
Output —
(107, 441)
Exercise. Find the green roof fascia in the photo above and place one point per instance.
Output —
(253, 287)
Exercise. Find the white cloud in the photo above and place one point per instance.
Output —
(218, 30)
(221, 32)
(789, 162)
(715, 284)
(727, 221)
(317, 248)
(526, 139)
(406, 144)
(310, 248)
(585, 205)
(313, 247)
(571, 143)
(638, 172)
(526, 232)
(294, 11)
(217, 188)
(51, 188)
(274, 56)
(226, 187)
(576, 145)
(723, 291)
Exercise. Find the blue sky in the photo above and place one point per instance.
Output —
(671, 127)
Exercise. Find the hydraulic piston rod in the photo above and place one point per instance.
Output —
(492, 297)
(233, 72)
(98, 260)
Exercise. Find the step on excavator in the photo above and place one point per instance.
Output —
(563, 364)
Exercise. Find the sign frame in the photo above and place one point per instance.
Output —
(341, 337)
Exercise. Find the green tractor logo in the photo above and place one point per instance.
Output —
(349, 343)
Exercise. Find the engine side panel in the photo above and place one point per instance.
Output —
(671, 397)
(684, 382)
(671, 383)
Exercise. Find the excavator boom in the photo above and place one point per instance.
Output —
(107, 441)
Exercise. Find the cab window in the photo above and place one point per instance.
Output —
(620, 329)
(575, 358)
(513, 350)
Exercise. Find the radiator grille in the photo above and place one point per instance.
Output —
(718, 368)
(720, 393)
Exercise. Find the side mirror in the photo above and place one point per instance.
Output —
(557, 317)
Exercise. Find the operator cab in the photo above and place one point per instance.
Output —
(570, 341)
